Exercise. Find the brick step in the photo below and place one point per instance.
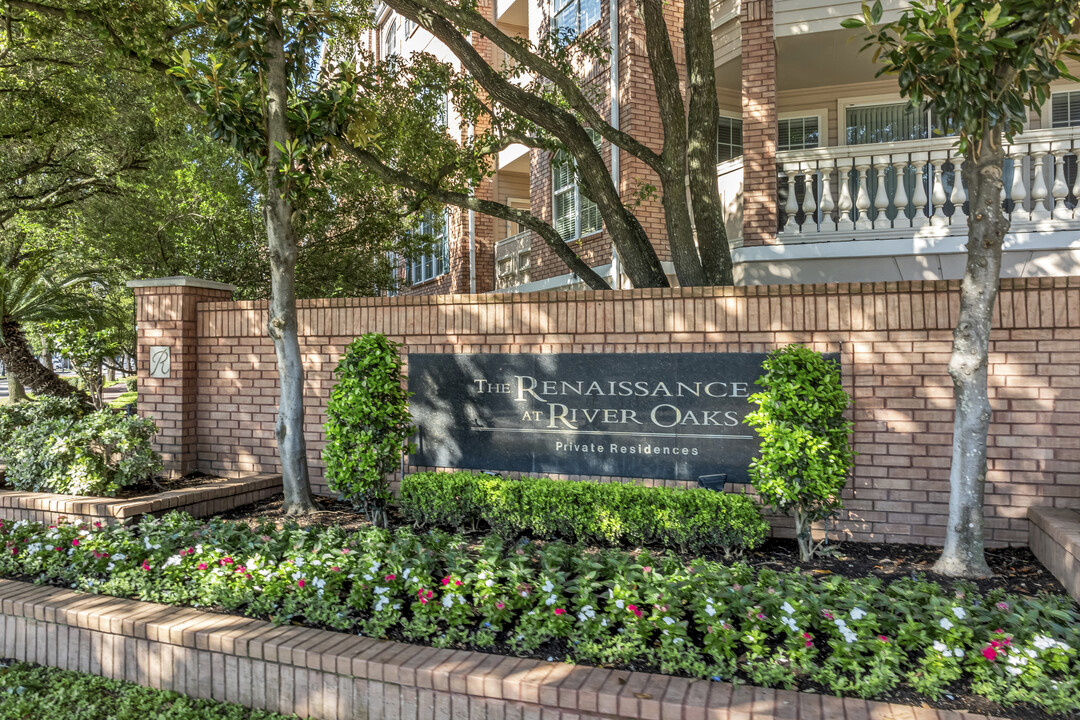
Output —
(339, 676)
(1055, 540)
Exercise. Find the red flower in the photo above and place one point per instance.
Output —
(145, 565)
(883, 639)
(990, 653)
(75, 543)
(446, 581)
(559, 611)
(457, 582)
(202, 566)
(388, 578)
(634, 609)
(226, 561)
(300, 583)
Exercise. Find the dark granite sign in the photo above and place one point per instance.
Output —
(656, 415)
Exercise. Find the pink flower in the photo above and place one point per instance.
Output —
(226, 561)
(145, 565)
(646, 569)
(559, 611)
(446, 581)
(300, 583)
(335, 568)
(828, 615)
(97, 524)
(75, 543)
(500, 605)
(883, 639)
(634, 609)
(389, 577)
(990, 653)
(457, 582)
(1003, 606)
(202, 566)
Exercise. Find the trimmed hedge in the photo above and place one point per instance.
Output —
(692, 520)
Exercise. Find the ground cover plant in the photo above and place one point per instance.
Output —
(693, 520)
(29, 691)
(645, 611)
(55, 445)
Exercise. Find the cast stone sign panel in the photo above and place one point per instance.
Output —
(160, 361)
(656, 415)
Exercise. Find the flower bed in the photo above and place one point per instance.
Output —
(702, 619)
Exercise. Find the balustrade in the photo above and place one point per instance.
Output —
(919, 186)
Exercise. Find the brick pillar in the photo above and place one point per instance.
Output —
(167, 360)
(759, 122)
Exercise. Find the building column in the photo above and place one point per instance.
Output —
(759, 131)
(167, 357)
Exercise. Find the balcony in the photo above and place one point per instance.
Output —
(512, 261)
(855, 192)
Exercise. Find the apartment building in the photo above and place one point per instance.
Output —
(826, 174)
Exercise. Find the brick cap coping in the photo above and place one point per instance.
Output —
(618, 693)
(123, 508)
(181, 281)
(1061, 524)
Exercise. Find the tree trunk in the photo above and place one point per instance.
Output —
(963, 555)
(684, 254)
(20, 360)
(712, 240)
(16, 391)
(281, 240)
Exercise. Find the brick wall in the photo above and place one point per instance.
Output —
(894, 341)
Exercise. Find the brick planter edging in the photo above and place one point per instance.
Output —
(337, 676)
(1055, 540)
(198, 501)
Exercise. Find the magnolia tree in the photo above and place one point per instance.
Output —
(981, 66)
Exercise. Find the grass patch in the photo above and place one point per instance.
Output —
(31, 691)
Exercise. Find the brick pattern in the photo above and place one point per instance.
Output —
(335, 676)
(894, 341)
(759, 122)
(198, 501)
(166, 316)
(1055, 540)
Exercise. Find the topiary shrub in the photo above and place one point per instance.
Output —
(692, 520)
(55, 446)
(368, 426)
(805, 456)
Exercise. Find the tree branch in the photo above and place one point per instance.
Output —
(487, 207)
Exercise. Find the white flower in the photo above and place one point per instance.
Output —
(49, 547)
(858, 614)
(551, 599)
(1014, 671)
(940, 646)
(710, 610)
(959, 612)
(669, 621)
(547, 587)
(790, 623)
(945, 624)
(489, 583)
(448, 601)
(620, 604)
(786, 607)
(959, 652)
(299, 562)
(316, 561)
(406, 573)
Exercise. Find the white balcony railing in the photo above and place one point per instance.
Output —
(916, 187)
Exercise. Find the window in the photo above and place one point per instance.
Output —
(391, 44)
(800, 133)
(1065, 109)
(891, 122)
(575, 16)
(437, 261)
(728, 139)
(575, 215)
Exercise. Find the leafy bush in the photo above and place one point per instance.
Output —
(29, 691)
(806, 453)
(587, 512)
(704, 619)
(53, 445)
(368, 425)
(131, 384)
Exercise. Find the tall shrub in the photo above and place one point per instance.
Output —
(368, 424)
(805, 455)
